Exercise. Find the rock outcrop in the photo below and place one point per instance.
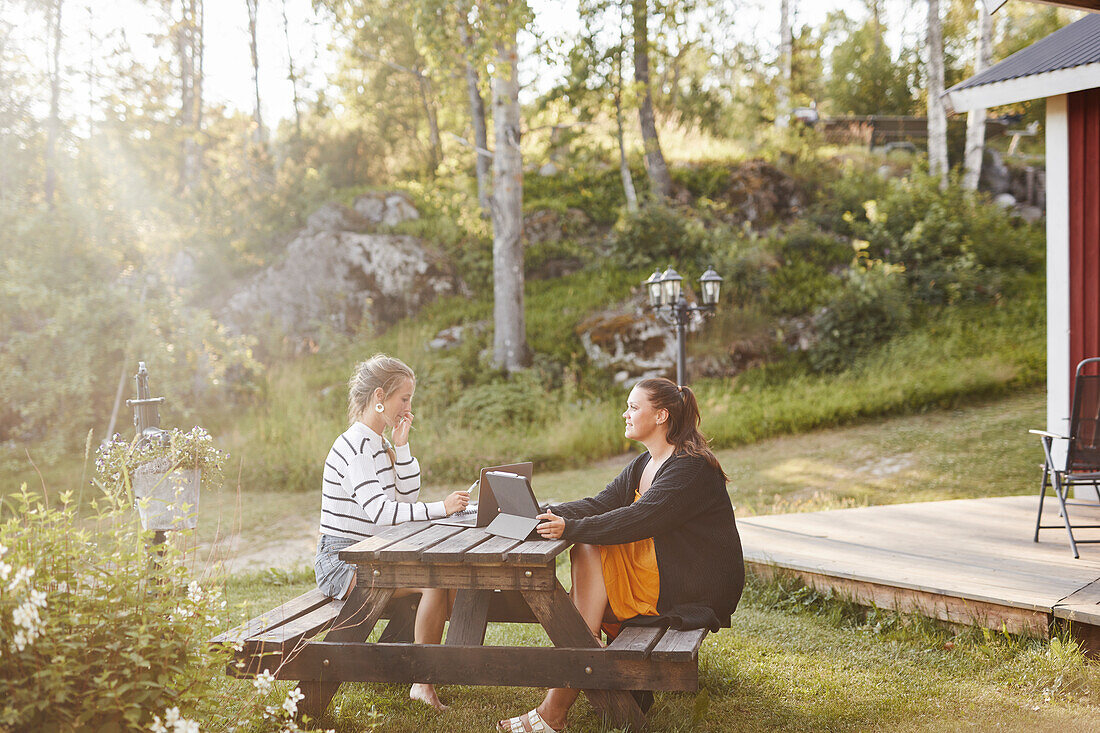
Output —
(631, 342)
(336, 276)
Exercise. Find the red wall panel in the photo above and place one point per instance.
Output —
(1083, 110)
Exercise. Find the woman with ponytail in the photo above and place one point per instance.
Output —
(658, 546)
(369, 482)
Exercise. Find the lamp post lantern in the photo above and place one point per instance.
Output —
(665, 297)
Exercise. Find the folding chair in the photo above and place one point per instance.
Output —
(1082, 466)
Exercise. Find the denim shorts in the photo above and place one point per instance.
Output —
(333, 574)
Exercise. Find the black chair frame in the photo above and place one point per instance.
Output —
(1082, 466)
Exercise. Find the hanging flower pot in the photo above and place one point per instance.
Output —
(167, 499)
(166, 475)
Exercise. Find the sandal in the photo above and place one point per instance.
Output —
(532, 722)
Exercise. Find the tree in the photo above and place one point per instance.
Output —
(660, 182)
(259, 135)
(866, 77)
(189, 46)
(937, 113)
(975, 119)
(292, 75)
(53, 131)
(509, 322)
(783, 87)
(477, 108)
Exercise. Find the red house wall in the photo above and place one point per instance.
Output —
(1083, 112)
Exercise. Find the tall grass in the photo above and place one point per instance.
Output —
(960, 354)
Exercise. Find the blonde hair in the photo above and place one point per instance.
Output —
(379, 371)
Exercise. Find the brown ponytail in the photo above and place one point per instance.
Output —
(683, 419)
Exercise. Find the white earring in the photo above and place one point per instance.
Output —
(378, 407)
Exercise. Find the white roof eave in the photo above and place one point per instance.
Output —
(1035, 86)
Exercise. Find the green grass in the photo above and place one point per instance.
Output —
(793, 660)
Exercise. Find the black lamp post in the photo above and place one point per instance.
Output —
(667, 301)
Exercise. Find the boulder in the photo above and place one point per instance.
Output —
(995, 177)
(339, 280)
(1005, 200)
(633, 343)
(386, 208)
(334, 217)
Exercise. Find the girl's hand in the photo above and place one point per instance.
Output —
(552, 525)
(401, 429)
(456, 502)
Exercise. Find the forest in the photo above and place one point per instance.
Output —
(251, 198)
(135, 210)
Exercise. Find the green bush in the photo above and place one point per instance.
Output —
(658, 235)
(953, 243)
(96, 631)
(519, 401)
(873, 307)
(800, 287)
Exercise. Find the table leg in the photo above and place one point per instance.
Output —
(565, 627)
(469, 618)
(361, 612)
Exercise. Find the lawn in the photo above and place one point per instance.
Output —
(793, 659)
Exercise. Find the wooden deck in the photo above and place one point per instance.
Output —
(967, 561)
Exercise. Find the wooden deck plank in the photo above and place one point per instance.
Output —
(958, 560)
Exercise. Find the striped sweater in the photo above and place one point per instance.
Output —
(362, 491)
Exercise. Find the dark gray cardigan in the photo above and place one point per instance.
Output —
(688, 514)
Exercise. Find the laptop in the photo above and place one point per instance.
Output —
(516, 501)
(485, 510)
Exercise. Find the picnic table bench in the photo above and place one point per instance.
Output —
(497, 579)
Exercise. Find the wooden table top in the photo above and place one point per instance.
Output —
(440, 544)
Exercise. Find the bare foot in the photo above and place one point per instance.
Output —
(556, 721)
(425, 693)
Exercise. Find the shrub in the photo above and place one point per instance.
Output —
(872, 308)
(800, 287)
(519, 401)
(657, 235)
(96, 632)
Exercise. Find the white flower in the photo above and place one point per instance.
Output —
(38, 598)
(5, 570)
(21, 575)
(186, 726)
(263, 681)
(194, 592)
(172, 716)
(157, 726)
(290, 705)
(3, 551)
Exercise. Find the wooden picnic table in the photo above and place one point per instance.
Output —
(497, 579)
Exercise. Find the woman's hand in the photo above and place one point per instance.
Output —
(401, 429)
(552, 525)
(456, 502)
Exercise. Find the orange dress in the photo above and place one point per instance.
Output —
(631, 578)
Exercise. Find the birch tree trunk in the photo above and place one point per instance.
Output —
(53, 130)
(477, 117)
(660, 183)
(292, 75)
(189, 51)
(259, 136)
(624, 166)
(937, 114)
(509, 325)
(975, 119)
(783, 88)
(427, 101)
